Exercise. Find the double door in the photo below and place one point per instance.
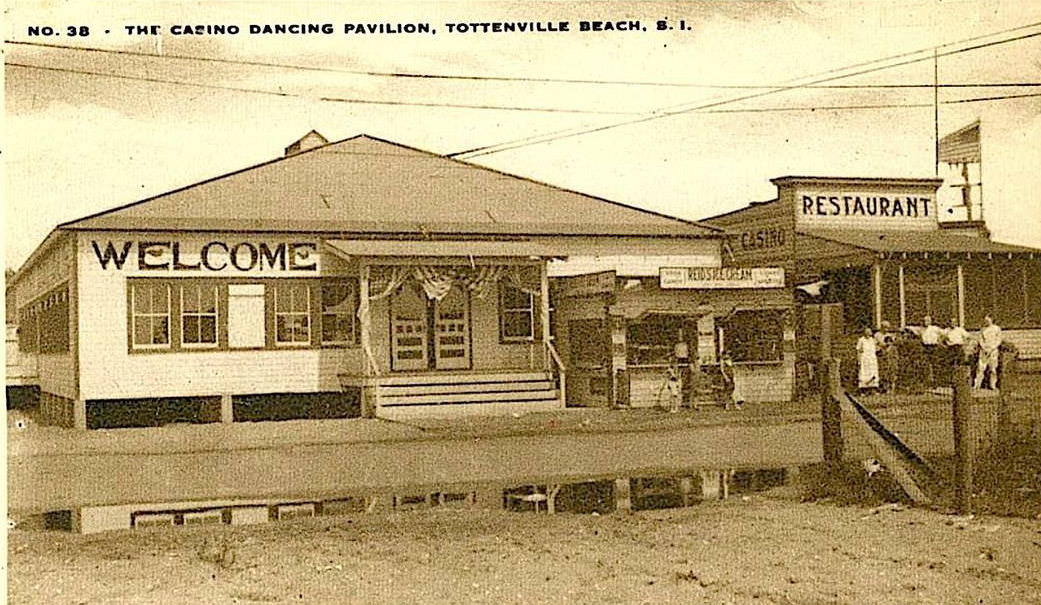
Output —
(427, 334)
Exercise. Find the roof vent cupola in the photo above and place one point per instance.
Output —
(307, 142)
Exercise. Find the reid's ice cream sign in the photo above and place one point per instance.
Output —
(214, 256)
(857, 208)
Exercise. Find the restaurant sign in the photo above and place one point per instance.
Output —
(715, 278)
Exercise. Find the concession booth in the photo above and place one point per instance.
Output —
(619, 330)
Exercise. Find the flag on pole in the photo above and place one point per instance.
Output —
(961, 146)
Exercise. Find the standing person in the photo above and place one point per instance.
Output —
(990, 342)
(955, 340)
(731, 391)
(885, 342)
(867, 360)
(671, 388)
(931, 336)
(681, 355)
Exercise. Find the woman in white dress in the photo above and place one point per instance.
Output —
(867, 357)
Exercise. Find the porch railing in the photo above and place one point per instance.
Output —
(558, 365)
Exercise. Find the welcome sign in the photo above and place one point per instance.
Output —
(216, 256)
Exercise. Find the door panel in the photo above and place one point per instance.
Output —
(452, 331)
(408, 330)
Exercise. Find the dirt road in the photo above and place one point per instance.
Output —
(754, 549)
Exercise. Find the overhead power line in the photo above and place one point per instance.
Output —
(357, 101)
(471, 77)
(694, 107)
(869, 106)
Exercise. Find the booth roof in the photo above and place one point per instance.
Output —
(898, 241)
(366, 185)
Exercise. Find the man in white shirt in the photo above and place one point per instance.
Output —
(990, 342)
(954, 339)
(956, 334)
(931, 336)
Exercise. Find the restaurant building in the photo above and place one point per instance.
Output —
(355, 278)
(879, 248)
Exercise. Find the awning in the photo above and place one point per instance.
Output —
(428, 248)
(916, 242)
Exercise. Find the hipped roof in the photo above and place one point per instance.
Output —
(364, 185)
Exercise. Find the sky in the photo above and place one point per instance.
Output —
(78, 143)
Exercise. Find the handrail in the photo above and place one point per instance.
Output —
(561, 371)
(556, 356)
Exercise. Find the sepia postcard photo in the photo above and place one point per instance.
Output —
(522, 302)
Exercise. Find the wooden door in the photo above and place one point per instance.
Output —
(408, 330)
(452, 331)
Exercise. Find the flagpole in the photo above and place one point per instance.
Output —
(936, 115)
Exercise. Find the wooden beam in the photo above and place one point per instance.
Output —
(365, 322)
(961, 296)
(544, 312)
(903, 300)
(876, 279)
(883, 451)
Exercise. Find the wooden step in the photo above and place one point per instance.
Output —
(465, 398)
(461, 378)
(483, 387)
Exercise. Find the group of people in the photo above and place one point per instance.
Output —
(685, 376)
(883, 355)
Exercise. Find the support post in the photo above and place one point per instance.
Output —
(961, 296)
(544, 313)
(367, 404)
(963, 439)
(831, 415)
(1006, 395)
(876, 282)
(623, 501)
(227, 410)
(903, 302)
(79, 414)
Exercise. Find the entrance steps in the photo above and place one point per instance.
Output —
(463, 394)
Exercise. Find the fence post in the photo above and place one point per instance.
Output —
(963, 439)
(1006, 396)
(831, 414)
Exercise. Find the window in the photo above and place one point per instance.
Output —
(29, 330)
(338, 304)
(930, 290)
(754, 336)
(516, 314)
(652, 340)
(150, 317)
(1010, 292)
(198, 315)
(293, 313)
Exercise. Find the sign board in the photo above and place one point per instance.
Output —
(205, 256)
(588, 285)
(865, 208)
(716, 278)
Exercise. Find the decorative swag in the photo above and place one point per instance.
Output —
(438, 280)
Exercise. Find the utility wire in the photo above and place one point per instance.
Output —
(869, 106)
(325, 99)
(687, 108)
(524, 79)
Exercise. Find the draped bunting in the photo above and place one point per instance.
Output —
(438, 280)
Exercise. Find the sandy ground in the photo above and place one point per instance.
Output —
(761, 548)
